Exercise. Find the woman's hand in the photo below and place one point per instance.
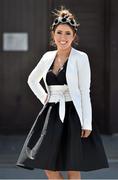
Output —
(46, 99)
(85, 133)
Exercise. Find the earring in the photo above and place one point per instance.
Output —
(52, 43)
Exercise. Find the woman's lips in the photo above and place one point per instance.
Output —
(63, 42)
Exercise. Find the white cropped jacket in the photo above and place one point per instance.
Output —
(78, 76)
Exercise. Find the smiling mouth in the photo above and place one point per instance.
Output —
(63, 43)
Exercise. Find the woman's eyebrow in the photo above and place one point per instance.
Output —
(68, 31)
(63, 31)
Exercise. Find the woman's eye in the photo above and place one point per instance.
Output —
(58, 32)
(68, 33)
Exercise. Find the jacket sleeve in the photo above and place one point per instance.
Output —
(84, 86)
(34, 79)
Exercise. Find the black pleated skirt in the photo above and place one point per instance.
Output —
(59, 146)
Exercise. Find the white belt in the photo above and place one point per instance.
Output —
(60, 93)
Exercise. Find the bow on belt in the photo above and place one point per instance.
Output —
(59, 93)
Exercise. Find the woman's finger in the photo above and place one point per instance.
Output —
(85, 133)
(82, 133)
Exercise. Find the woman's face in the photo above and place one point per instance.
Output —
(63, 36)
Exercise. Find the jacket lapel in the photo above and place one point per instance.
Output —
(72, 81)
(50, 60)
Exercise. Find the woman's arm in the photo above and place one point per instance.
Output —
(84, 86)
(34, 79)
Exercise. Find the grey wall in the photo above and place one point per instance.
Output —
(114, 67)
(18, 106)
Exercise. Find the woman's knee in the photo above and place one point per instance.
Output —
(74, 175)
(53, 174)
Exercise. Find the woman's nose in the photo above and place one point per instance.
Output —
(63, 37)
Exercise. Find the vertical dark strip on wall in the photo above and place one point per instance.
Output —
(107, 53)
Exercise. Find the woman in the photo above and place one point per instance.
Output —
(63, 137)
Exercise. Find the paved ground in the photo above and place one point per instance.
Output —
(11, 172)
(10, 147)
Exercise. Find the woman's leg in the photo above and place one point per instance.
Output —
(74, 175)
(53, 174)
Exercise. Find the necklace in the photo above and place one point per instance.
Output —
(58, 65)
(61, 62)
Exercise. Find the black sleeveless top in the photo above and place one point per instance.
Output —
(57, 79)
